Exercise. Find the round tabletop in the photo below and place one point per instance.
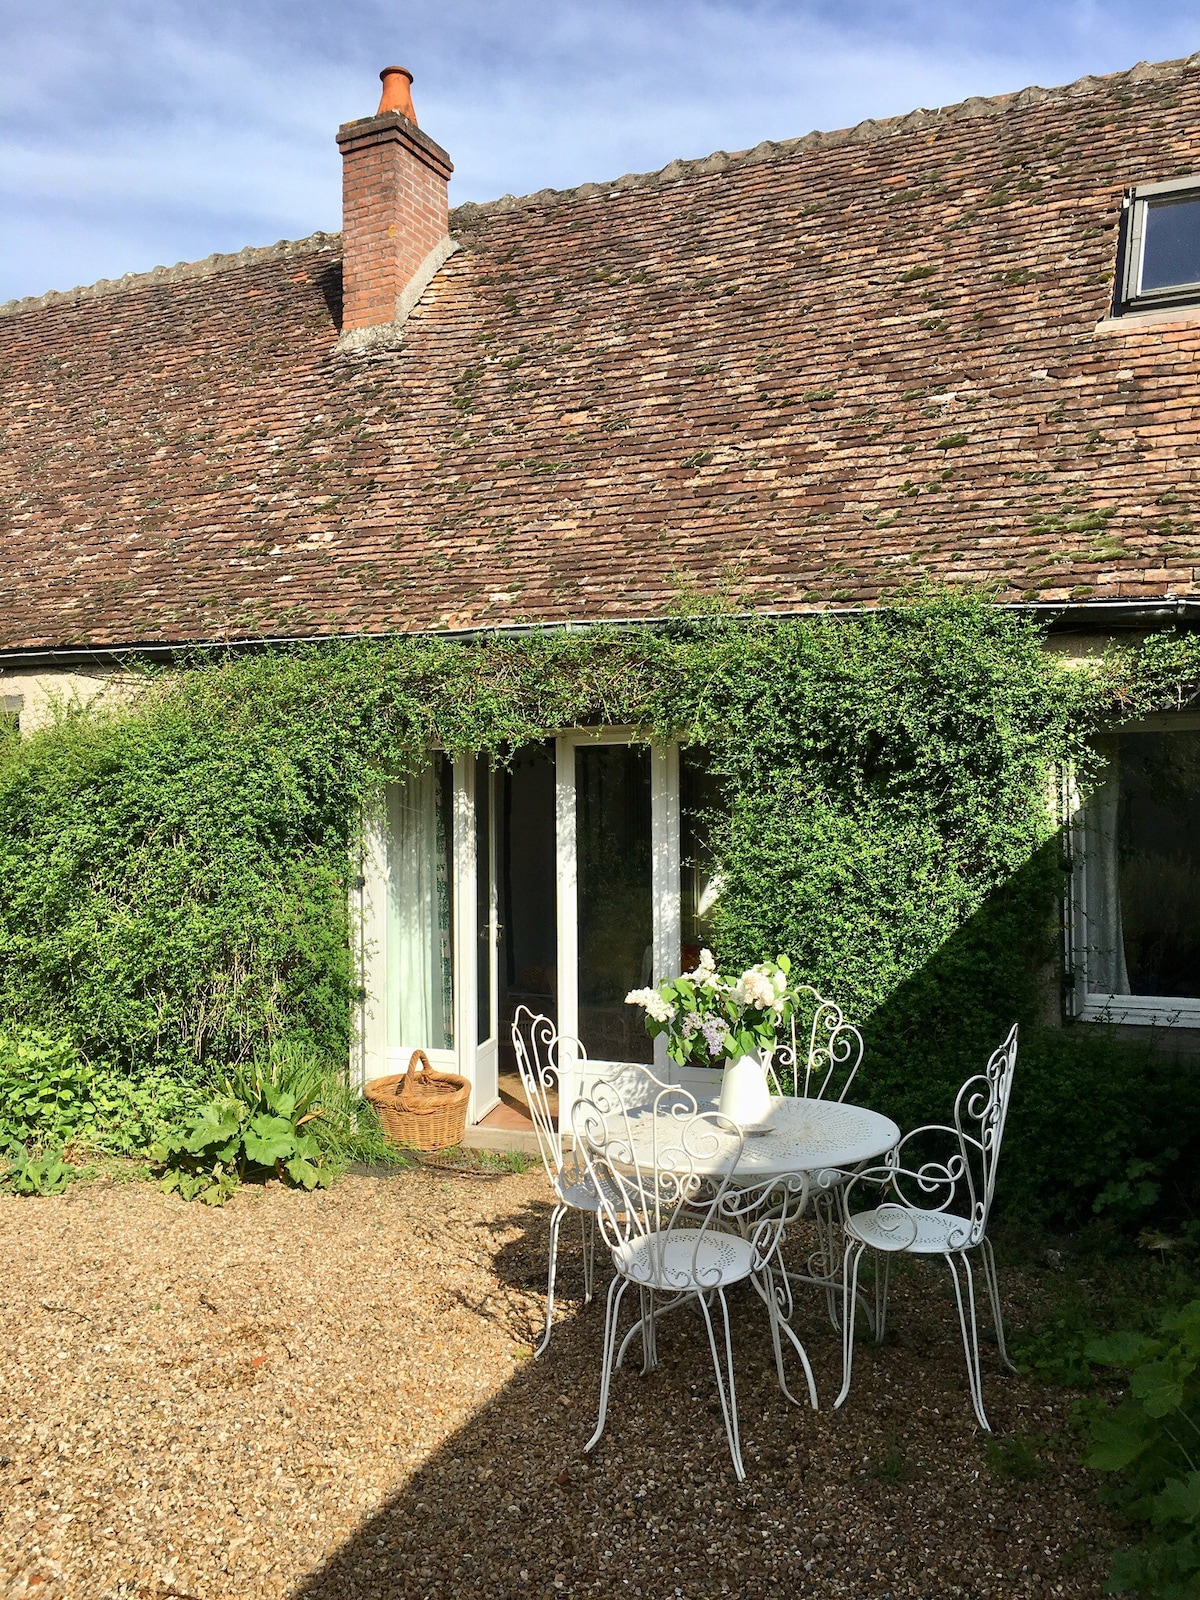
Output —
(804, 1136)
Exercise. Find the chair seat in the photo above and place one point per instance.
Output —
(922, 1233)
(577, 1192)
(686, 1259)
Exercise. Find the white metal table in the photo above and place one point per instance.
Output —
(802, 1139)
(805, 1136)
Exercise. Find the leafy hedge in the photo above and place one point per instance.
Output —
(173, 878)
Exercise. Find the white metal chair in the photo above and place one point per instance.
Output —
(936, 1202)
(821, 1058)
(663, 1174)
(541, 1054)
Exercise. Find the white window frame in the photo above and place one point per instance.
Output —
(1133, 247)
(371, 1056)
(664, 867)
(370, 1053)
(1083, 1002)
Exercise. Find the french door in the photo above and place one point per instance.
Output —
(553, 881)
(617, 848)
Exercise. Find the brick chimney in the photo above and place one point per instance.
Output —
(395, 211)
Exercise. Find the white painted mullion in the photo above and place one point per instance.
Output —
(664, 841)
(373, 1061)
(493, 905)
(465, 944)
(567, 870)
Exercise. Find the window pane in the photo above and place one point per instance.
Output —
(701, 800)
(420, 928)
(483, 900)
(1158, 855)
(1171, 250)
(525, 842)
(615, 906)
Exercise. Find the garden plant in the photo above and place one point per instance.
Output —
(175, 874)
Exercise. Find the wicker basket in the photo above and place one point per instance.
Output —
(423, 1110)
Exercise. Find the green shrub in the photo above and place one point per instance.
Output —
(230, 1140)
(48, 1096)
(174, 878)
(44, 1174)
(345, 1126)
(45, 1090)
(1151, 1440)
(290, 1117)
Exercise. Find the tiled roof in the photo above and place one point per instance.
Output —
(809, 375)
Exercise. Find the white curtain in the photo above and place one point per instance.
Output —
(418, 922)
(1104, 933)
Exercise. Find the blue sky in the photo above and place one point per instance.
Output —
(138, 132)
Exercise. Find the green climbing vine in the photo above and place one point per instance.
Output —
(174, 875)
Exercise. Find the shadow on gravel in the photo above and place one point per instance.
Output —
(895, 1495)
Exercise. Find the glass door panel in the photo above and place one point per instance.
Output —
(486, 1059)
(614, 906)
(701, 803)
(528, 936)
(419, 936)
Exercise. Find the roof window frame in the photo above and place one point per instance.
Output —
(1130, 296)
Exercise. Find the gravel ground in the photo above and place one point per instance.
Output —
(330, 1396)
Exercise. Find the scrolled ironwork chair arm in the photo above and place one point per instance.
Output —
(897, 1186)
(880, 1177)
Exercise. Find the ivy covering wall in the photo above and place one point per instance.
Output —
(174, 876)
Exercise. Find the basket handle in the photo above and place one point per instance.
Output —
(417, 1055)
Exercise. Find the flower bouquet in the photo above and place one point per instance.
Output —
(708, 1018)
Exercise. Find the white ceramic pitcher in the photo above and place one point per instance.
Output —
(745, 1097)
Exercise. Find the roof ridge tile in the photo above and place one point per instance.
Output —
(464, 216)
(181, 272)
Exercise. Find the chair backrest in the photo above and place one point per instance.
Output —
(662, 1172)
(824, 1050)
(953, 1169)
(541, 1055)
(980, 1112)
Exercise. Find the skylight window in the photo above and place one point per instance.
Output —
(1161, 245)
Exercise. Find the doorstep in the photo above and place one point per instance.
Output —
(506, 1127)
(509, 1141)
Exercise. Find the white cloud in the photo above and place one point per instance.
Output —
(136, 131)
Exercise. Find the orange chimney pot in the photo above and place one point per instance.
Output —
(397, 93)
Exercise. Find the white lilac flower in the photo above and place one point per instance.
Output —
(715, 1034)
(651, 1001)
(704, 974)
(755, 988)
(691, 1023)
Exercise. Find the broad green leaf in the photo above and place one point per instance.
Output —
(302, 1172)
(1179, 1500)
(307, 1147)
(1123, 1350)
(269, 1139)
(1118, 1439)
(217, 1124)
(1159, 1385)
(279, 1101)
